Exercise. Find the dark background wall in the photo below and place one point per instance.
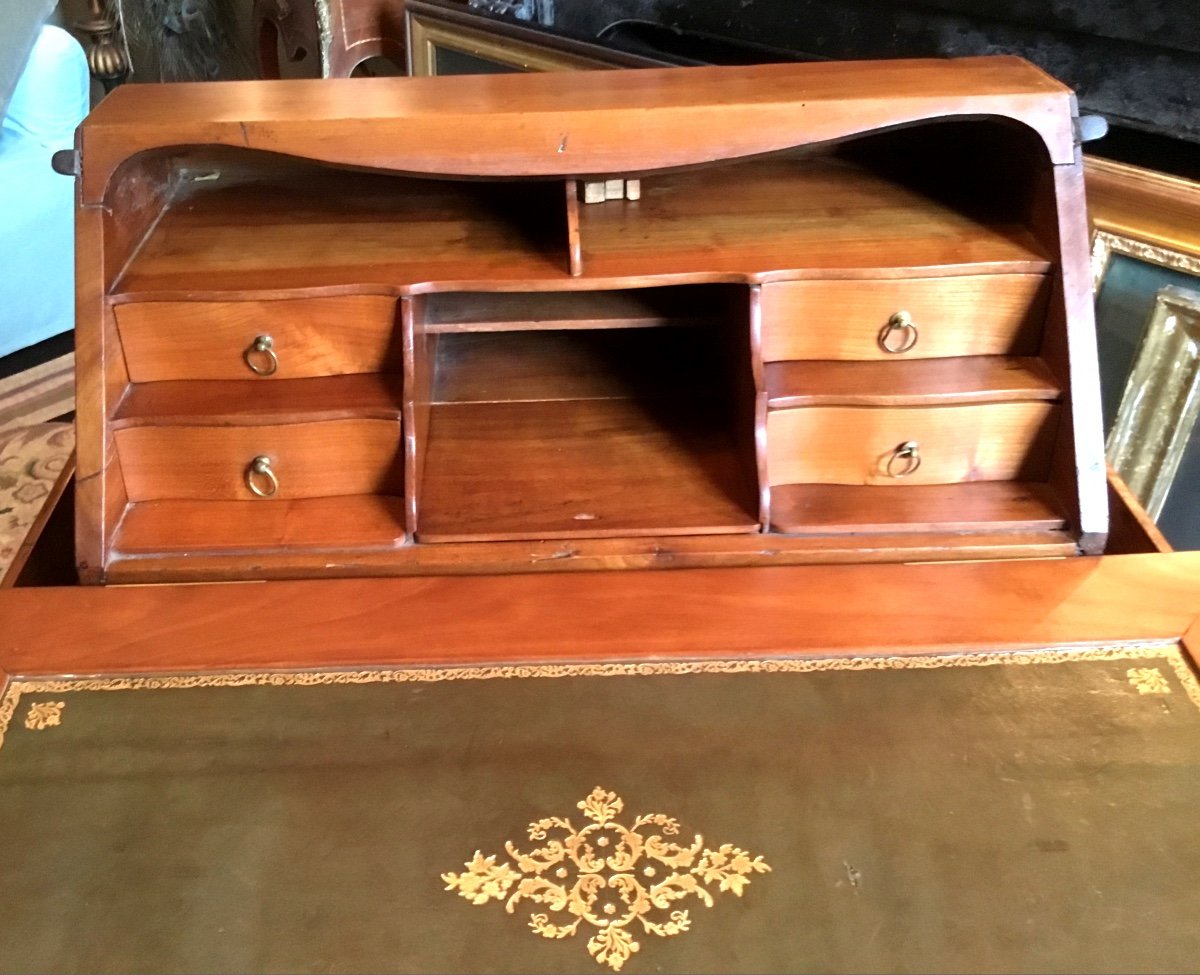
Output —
(1137, 62)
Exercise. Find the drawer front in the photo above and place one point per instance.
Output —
(862, 445)
(984, 314)
(288, 339)
(304, 460)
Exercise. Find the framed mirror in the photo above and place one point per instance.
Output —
(1146, 270)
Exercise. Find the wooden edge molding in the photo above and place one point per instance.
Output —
(628, 617)
(466, 125)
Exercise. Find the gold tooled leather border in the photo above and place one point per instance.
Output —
(1169, 652)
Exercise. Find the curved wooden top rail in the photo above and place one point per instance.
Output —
(599, 122)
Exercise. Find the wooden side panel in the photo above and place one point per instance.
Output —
(574, 252)
(420, 363)
(309, 460)
(759, 416)
(106, 239)
(854, 445)
(999, 314)
(1131, 530)
(100, 382)
(335, 336)
(1079, 469)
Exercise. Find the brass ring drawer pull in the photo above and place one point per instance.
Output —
(260, 479)
(905, 459)
(260, 356)
(899, 334)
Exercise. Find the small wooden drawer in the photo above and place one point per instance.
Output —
(950, 444)
(290, 338)
(321, 459)
(979, 314)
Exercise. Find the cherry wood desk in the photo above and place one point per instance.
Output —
(945, 766)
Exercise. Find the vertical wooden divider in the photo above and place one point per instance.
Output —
(92, 519)
(420, 357)
(760, 406)
(1079, 469)
(574, 245)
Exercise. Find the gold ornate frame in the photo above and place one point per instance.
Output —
(448, 25)
(1162, 400)
(1154, 218)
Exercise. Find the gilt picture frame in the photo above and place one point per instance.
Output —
(447, 38)
(1145, 265)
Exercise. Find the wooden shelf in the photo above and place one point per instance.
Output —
(992, 506)
(590, 468)
(252, 402)
(366, 521)
(515, 311)
(286, 225)
(912, 382)
(796, 218)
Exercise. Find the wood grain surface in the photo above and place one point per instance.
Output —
(969, 379)
(348, 522)
(247, 402)
(310, 460)
(579, 468)
(555, 618)
(810, 217)
(499, 311)
(533, 124)
(853, 445)
(973, 506)
(631, 375)
(970, 315)
(283, 225)
(306, 227)
(166, 340)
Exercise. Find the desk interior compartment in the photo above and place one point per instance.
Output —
(588, 414)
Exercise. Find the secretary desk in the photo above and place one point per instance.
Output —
(625, 521)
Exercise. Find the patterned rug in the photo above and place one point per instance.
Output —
(37, 394)
(31, 458)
